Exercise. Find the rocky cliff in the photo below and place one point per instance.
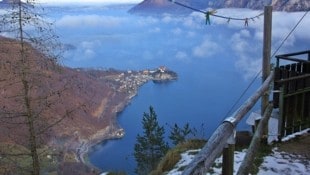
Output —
(10, 1)
(278, 5)
(165, 6)
(158, 7)
(162, 75)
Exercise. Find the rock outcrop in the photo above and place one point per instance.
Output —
(278, 5)
(165, 6)
(158, 7)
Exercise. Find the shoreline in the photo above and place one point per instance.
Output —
(116, 132)
(85, 148)
(129, 83)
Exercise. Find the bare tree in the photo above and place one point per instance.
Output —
(27, 98)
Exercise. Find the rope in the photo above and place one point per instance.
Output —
(212, 13)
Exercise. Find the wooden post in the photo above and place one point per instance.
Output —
(281, 128)
(228, 160)
(248, 160)
(266, 53)
(228, 155)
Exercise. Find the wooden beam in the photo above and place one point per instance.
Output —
(293, 78)
(214, 147)
(295, 53)
(266, 53)
(281, 120)
(293, 59)
(248, 160)
(297, 92)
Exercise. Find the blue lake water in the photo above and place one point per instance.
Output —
(193, 102)
(215, 63)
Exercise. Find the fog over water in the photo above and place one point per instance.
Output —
(215, 63)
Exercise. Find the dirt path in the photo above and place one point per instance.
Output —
(300, 145)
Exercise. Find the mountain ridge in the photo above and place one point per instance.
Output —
(167, 6)
(92, 99)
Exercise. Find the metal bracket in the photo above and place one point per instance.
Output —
(231, 120)
(232, 139)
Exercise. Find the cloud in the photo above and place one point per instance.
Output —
(170, 19)
(184, 36)
(147, 55)
(206, 49)
(248, 66)
(155, 30)
(89, 53)
(240, 41)
(86, 50)
(89, 21)
(191, 34)
(177, 31)
(194, 21)
(146, 21)
(182, 56)
(52, 2)
(282, 24)
(246, 51)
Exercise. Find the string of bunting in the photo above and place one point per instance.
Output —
(213, 13)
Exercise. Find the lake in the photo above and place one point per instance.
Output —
(215, 63)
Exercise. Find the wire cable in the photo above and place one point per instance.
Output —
(257, 75)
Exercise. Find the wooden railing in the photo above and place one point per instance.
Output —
(292, 92)
(291, 96)
(221, 136)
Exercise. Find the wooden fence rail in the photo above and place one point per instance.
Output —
(214, 147)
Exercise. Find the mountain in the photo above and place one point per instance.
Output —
(166, 6)
(91, 98)
(158, 7)
(278, 5)
(8, 3)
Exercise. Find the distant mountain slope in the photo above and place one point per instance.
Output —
(8, 3)
(93, 101)
(165, 6)
(159, 6)
(278, 5)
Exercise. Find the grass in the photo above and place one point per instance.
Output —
(173, 156)
(263, 151)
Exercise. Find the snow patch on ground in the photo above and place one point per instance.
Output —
(284, 163)
(278, 163)
(186, 158)
(289, 137)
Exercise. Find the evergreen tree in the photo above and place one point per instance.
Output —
(178, 134)
(150, 146)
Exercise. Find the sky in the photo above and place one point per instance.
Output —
(89, 1)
